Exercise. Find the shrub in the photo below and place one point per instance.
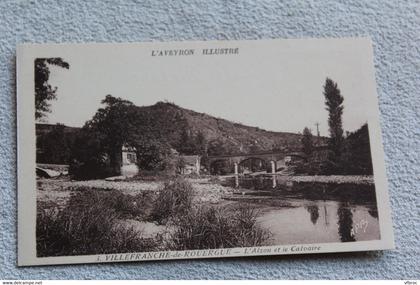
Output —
(126, 206)
(313, 167)
(92, 168)
(154, 155)
(54, 146)
(174, 199)
(212, 227)
(88, 225)
(88, 158)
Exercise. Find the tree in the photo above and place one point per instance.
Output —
(200, 144)
(120, 123)
(154, 155)
(54, 146)
(307, 142)
(116, 124)
(312, 165)
(44, 92)
(254, 148)
(356, 158)
(185, 144)
(334, 103)
(216, 147)
(88, 157)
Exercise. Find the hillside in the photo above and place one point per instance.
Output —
(170, 123)
(171, 120)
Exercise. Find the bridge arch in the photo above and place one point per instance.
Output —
(253, 164)
(221, 166)
(230, 163)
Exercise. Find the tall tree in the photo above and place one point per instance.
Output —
(44, 92)
(334, 102)
(200, 144)
(307, 142)
(116, 124)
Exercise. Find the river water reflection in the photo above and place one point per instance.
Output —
(308, 221)
(317, 213)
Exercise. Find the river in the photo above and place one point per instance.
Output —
(319, 221)
(316, 213)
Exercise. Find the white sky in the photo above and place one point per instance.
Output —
(275, 85)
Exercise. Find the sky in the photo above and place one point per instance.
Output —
(275, 85)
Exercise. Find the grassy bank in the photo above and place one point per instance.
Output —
(207, 227)
(88, 224)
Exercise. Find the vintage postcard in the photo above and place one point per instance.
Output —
(150, 151)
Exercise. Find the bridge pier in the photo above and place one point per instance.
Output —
(236, 175)
(273, 172)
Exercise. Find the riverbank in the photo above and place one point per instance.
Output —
(330, 179)
(196, 213)
(177, 215)
(59, 190)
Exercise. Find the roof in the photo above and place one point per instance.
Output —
(128, 148)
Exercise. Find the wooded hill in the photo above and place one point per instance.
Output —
(174, 121)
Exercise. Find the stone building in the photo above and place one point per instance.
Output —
(128, 161)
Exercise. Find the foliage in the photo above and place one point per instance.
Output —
(186, 144)
(89, 224)
(313, 210)
(307, 142)
(88, 158)
(334, 102)
(254, 148)
(115, 123)
(356, 158)
(216, 147)
(55, 146)
(174, 199)
(191, 144)
(155, 155)
(221, 167)
(214, 227)
(44, 92)
(200, 144)
(121, 123)
(156, 131)
(352, 192)
(345, 223)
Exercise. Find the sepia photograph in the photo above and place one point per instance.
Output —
(199, 149)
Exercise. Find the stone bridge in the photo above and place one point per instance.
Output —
(274, 159)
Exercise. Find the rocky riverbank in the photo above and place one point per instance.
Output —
(59, 190)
